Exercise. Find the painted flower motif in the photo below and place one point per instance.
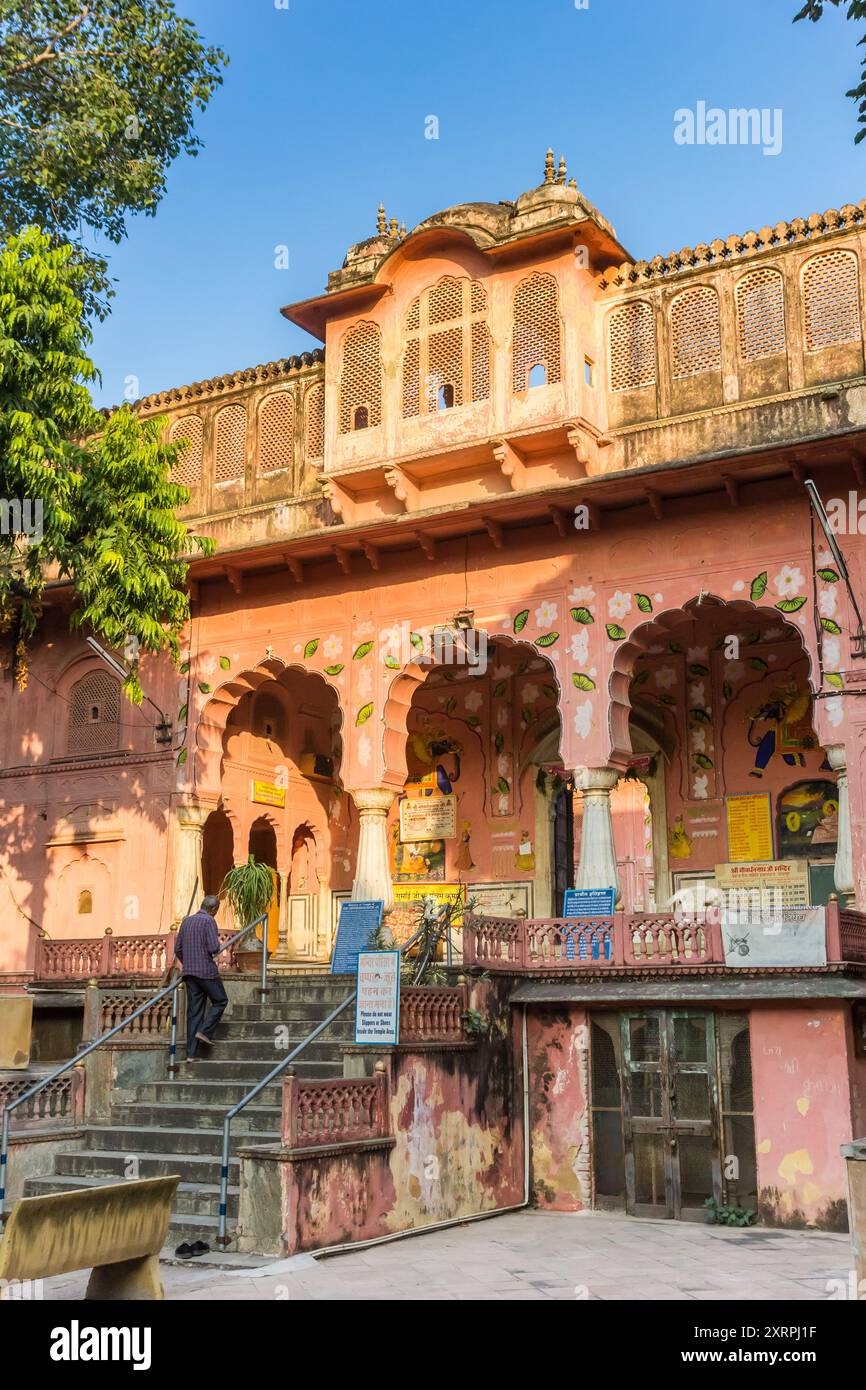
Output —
(698, 739)
(699, 787)
(734, 671)
(832, 653)
(530, 693)
(825, 558)
(502, 716)
(363, 630)
(332, 647)
(738, 586)
(502, 805)
(501, 672)
(619, 605)
(656, 649)
(774, 634)
(546, 614)
(665, 677)
(391, 638)
(207, 665)
(365, 680)
(365, 750)
(503, 765)
(583, 719)
(789, 581)
(474, 701)
(835, 710)
(697, 694)
(580, 647)
(698, 654)
(582, 595)
(827, 602)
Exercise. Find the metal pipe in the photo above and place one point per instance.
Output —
(172, 1045)
(264, 986)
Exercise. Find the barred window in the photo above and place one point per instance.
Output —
(446, 367)
(536, 334)
(361, 379)
(188, 432)
(831, 300)
(94, 714)
(315, 422)
(231, 443)
(631, 347)
(276, 432)
(696, 335)
(760, 314)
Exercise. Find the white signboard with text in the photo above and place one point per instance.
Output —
(377, 1004)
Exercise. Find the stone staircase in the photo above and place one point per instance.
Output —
(176, 1126)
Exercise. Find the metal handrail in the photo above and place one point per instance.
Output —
(118, 1027)
(222, 1238)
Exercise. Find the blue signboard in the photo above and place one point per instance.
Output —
(358, 924)
(588, 902)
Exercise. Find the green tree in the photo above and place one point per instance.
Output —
(814, 9)
(96, 101)
(97, 504)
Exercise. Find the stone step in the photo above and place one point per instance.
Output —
(106, 1164)
(138, 1115)
(298, 1028)
(192, 1199)
(169, 1139)
(270, 1049)
(254, 1070)
(224, 1093)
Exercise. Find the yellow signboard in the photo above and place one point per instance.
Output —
(784, 883)
(408, 894)
(268, 794)
(750, 828)
(427, 818)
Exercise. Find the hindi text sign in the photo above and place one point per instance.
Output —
(377, 1003)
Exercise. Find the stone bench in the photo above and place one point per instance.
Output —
(117, 1231)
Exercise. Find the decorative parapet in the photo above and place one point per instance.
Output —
(104, 1009)
(432, 1014)
(263, 374)
(321, 1113)
(60, 1103)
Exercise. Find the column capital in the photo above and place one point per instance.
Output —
(192, 815)
(373, 799)
(837, 756)
(596, 779)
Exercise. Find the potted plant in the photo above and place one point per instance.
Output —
(248, 890)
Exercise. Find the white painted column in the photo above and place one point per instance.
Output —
(188, 888)
(597, 867)
(843, 873)
(373, 869)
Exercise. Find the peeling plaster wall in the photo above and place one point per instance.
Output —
(559, 1120)
(802, 1061)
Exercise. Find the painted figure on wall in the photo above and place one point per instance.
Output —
(787, 712)
(808, 821)
(680, 844)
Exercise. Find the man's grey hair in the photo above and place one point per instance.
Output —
(210, 904)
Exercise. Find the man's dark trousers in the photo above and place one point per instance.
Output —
(198, 992)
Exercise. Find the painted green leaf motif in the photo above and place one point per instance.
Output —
(392, 663)
(757, 663)
(641, 678)
(614, 632)
(225, 663)
(181, 757)
(667, 699)
(791, 605)
(364, 714)
(727, 690)
(699, 716)
(499, 742)
(697, 669)
(473, 721)
(451, 705)
(360, 652)
(547, 640)
(829, 576)
(312, 647)
(521, 620)
(703, 761)
(759, 586)
(334, 670)
(582, 615)
(833, 678)
(675, 647)
(499, 688)
(417, 641)
(830, 625)
(182, 713)
(751, 638)
(644, 602)
(204, 687)
(502, 786)
(184, 668)
(550, 691)
(583, 682)
(526, 714)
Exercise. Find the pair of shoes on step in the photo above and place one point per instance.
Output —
(189, 1252)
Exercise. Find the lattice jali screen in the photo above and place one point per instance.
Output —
(361, 376)
(760, 314)
(231, 443)
(276, 432)
(189, 432)
(831, 300)
(94, 714)
(457, 357)
(536, 334)
(631, 347)
(696, 335)
(314, 437)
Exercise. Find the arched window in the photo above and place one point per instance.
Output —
(696, 334)
(188, 432)
(760, 314)
(231, 443)
(94, 714)
(446, 353)
(536, 340)
(314, 428)
(631, 347)
(85, 902)
(361, 379)
(831, 300)
(276, 442)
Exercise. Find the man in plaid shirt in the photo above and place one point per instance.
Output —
(196, 945)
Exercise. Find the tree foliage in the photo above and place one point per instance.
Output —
(97, 99)
(97, 494)
(856, 9)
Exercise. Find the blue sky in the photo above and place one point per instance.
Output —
(322, 114)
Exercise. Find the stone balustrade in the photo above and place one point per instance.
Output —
(432, 1014)
(334, 1112)
(60, 1103)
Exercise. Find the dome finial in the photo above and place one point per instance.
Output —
(381, 221)
(548, 167)
(562, 170)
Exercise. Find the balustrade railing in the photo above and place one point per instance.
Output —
(144, 957)
(60, 1103)
(334, 1112)
(432, 1014)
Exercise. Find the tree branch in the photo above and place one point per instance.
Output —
(48, 51)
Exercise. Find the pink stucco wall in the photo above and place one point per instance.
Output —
(558, 1042)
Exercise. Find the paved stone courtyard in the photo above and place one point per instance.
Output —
(534, 1255)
